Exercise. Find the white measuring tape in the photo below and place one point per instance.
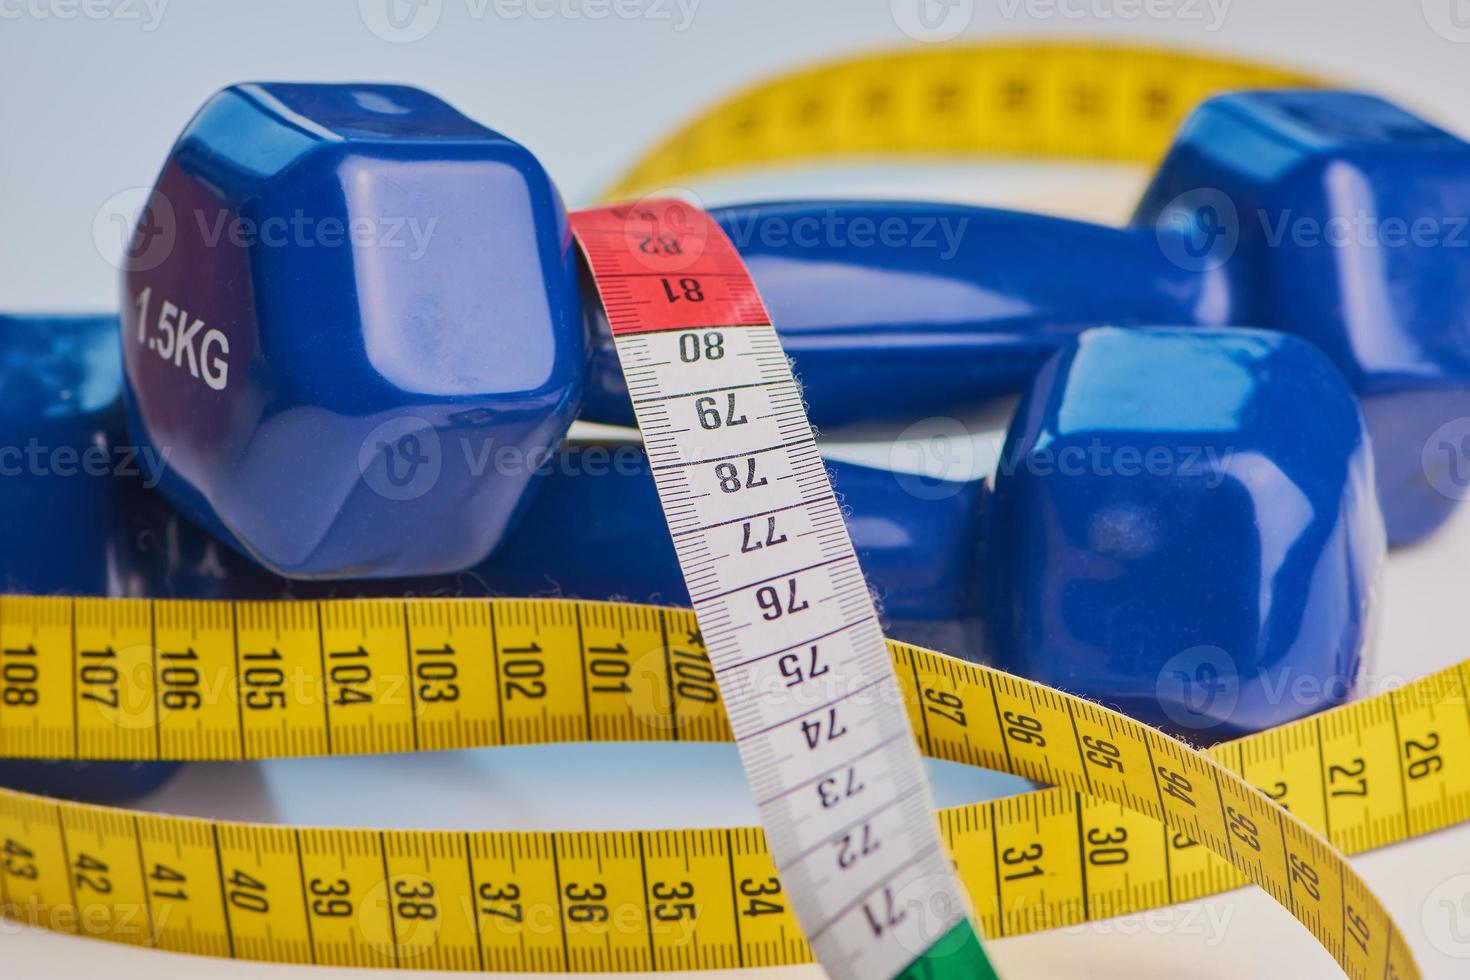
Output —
(792, 632)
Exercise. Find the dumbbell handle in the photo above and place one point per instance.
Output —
(594, 530)
(907, 310)
(956, 305)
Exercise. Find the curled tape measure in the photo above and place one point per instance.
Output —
(1077, 101)
(1137, 820)
(1117, 835)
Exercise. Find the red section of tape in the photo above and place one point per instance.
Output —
(666, 265)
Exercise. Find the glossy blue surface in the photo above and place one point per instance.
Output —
(1168, 520)
(1352, 232)
(1185, 528)
(63, 462)
(334, 407)
(370, 380)
(906, 310)
(340, 298)
(595, 531)
(1331, 215)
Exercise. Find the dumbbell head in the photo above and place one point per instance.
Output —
(64, 470)
(341, 303)
(1346, 219)
(1185, 527)
(60, 441)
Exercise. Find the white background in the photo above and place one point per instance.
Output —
(91, 97)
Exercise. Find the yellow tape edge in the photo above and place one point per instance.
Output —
(962, 711)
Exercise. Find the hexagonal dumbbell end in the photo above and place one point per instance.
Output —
(1186, 528)
(1349, 220)
(350, 317)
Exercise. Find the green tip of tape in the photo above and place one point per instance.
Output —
(956, 954)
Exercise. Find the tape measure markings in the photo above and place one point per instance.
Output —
(694, 339)
(1422, 729)
(1097, 857)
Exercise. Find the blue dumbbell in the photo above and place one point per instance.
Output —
(336, 351)
(1334, 216)
(64, 468)
(334, 282)
(1168, 533)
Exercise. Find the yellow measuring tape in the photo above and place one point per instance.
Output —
(1026, 99)
(177, 679)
